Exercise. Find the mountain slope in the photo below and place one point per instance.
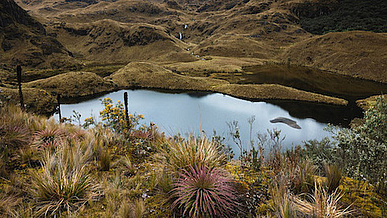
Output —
(358, 53)
(24, 41)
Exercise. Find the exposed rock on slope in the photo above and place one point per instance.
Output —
(24, 41)
(359, 54)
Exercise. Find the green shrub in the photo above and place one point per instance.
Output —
(114, 116)
(364, 147)
(359, 151)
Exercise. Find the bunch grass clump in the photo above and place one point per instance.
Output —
(183, 154)
(12, 136)
(321, 204)
(204, 192)
(48, 138)
(334, 176)
(63, 183)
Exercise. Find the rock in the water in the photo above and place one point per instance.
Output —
(287, 121)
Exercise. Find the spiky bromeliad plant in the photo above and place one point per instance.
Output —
(63, 183)
(201, 191)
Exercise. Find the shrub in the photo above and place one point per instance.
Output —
(359, 151)
(63, 183)
(114, 116)
(322, 152)
(364, 147)
(204, 192)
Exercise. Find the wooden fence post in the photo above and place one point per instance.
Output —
(19, 80)
(126, 110)
(59, 112)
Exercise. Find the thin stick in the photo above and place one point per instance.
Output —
(59, 112)
(19, 80)
(126, 109)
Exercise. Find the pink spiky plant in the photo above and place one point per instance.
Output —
(204, 192)
(48, 138)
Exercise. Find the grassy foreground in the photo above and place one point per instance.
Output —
(124, 169)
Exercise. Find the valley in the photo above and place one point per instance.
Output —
(189, 40)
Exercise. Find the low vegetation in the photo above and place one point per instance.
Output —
(110, 169)
(320, 17)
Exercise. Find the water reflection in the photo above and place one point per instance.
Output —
(185, 114)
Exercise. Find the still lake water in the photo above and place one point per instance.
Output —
(191, 114)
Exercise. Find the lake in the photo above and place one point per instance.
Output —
(187, 114)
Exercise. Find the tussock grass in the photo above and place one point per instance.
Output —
(8, 205)
(334, 176)
(182, 154)
(321, 204)
(63, 183)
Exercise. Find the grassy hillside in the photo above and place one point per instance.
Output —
(24, 41)
(358, 54)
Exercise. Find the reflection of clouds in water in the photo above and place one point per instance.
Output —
(181, 113)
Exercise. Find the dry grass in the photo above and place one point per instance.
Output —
(356, 53)
(213, 64)
(147, 75)
(272, 91)
(322, 204)
(8, 204)
(334, 176)
(64, 182)
(36, 100)
(73, 84)
(281, 204)
(183, 154)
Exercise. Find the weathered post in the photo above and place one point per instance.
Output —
(19, 80)
(58, 100)
(288, 63)
(126, 109)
